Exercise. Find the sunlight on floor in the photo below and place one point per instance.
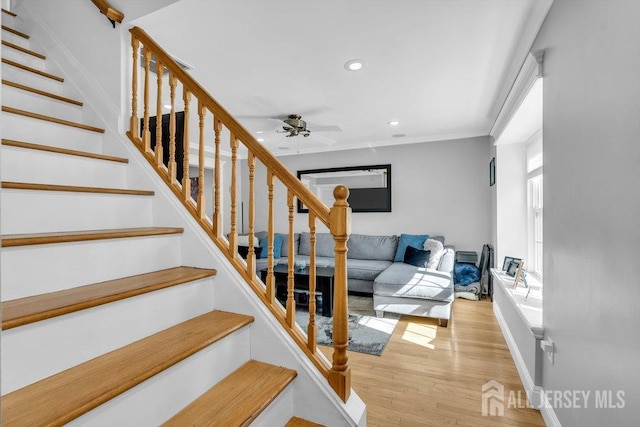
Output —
(420, 334)
(380, 324)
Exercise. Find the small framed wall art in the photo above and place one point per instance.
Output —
(492, 172)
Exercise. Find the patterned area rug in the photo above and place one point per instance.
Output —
(367, 333)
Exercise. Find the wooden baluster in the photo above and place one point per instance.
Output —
(233, 234)
(217, 215)
(201, 201)
(270, 226)
(340, 227)
(251, 255)
(291, 303)
(146, 133)
(133, 123)
(158, 149)
(172, 129)
(186, 182)
(311, 329)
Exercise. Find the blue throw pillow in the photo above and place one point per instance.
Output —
(414, 240)
(277, 246)
(416, 257)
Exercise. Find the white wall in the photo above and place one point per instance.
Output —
(437, 188)
(592, 204)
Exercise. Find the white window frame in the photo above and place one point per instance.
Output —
(535, 215)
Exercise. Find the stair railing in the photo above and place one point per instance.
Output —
(112, 14)
(148, 55)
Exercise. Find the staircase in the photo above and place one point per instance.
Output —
(102, 324)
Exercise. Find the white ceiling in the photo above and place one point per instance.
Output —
(440, 67)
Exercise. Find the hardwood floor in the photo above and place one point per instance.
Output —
(433, 376)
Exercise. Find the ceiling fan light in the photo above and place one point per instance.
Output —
(353, 65)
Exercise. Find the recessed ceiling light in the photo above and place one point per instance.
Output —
(167, 106)
(260, 139)
(394, 123)
(353, 65)
(260, 131)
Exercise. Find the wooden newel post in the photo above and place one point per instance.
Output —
(340, 227)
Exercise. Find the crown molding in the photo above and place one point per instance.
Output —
(530, 71)
(537, 15)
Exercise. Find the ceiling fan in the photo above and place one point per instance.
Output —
(293, 126)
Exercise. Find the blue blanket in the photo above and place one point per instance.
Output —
(465, 274)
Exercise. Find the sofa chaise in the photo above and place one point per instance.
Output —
(372, 269)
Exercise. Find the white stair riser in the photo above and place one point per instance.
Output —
(280, 411)
(42, 132)
(24, 58)
(156, 400)
(24, 100)
(38, 350)
(22, 211)
(14, 38)
(28, 78)
(32, 270)
(25, 165)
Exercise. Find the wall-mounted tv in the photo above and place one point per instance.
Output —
(369, 186)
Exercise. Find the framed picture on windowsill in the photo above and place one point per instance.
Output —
(519, 274)
(507, 261)
(512, 269)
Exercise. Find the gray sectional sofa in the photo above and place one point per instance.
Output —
(396, 287)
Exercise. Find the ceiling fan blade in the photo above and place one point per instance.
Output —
(316, 128)
(322, 139)
(261, 124)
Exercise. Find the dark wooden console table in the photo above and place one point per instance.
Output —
(324, 283)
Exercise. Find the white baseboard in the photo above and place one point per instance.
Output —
(535, 393)
(548, 414)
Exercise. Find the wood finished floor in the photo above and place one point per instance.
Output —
(433, 376)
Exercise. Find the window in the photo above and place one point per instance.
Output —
(534, 206)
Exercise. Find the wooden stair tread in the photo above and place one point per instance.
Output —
(11, 240)
(16, 32)
(238, 399)
(67, 395)
(41, 92)
(8, 12)
(23, 49)
(35, 308)
(74, 188)
(32, 70)
(51, 149)
(51, 119)
(301, 422)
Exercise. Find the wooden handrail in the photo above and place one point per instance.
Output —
(112, 14)
(337, 219)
